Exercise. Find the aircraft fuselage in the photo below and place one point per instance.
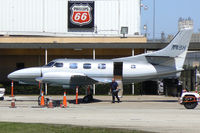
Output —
(61, 71)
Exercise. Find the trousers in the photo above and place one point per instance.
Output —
(115, 94)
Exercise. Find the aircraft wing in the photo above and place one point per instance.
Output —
(81, 80)
(161, 60)
(103, 80)
(69, 78)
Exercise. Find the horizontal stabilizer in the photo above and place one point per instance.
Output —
(161, 60)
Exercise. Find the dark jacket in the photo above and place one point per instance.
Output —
(113, 86)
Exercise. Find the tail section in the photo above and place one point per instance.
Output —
(173, 55)
(177, 49)
(177, 46)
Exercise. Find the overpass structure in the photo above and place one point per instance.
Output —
(194, 46)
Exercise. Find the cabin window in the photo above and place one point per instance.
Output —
(133, 66)
(73, 65)
(87, 66)
(49, 64)
(102, 66)
(58, 64)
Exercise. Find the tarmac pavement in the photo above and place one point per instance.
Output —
(147, 113)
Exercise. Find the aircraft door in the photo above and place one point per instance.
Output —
(118, 69)
(118, 73)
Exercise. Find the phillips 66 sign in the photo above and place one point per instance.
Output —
(81, 14)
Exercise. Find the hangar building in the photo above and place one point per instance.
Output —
(66, 17)
(33, 32)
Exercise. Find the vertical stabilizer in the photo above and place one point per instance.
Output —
(173, 55)
(178, 46)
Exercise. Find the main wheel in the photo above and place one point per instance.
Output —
(190, 105)
(88, 99)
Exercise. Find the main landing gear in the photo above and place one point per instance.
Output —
(89, 95)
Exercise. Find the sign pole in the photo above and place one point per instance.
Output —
(76, 94)
(12, 89)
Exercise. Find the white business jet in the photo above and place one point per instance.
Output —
(165, 63)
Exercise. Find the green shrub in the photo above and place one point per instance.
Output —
(101, 89)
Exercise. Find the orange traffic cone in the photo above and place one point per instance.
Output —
(13, 103)
(64, 100)
(50, 104)
(42, 100)
(77, 95)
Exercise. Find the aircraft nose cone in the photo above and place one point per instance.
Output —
(24, 74)
(11, 75)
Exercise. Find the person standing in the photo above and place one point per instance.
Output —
(114, 90)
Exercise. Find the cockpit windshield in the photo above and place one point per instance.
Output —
(50, 64)
(58, 64)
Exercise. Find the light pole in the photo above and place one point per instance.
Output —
(145, 30)
(154, 11)
(145, 7)
(46, 87)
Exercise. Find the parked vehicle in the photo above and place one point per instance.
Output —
(189, 99)
(2, 92)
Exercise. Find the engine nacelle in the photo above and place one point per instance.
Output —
(59, 78)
